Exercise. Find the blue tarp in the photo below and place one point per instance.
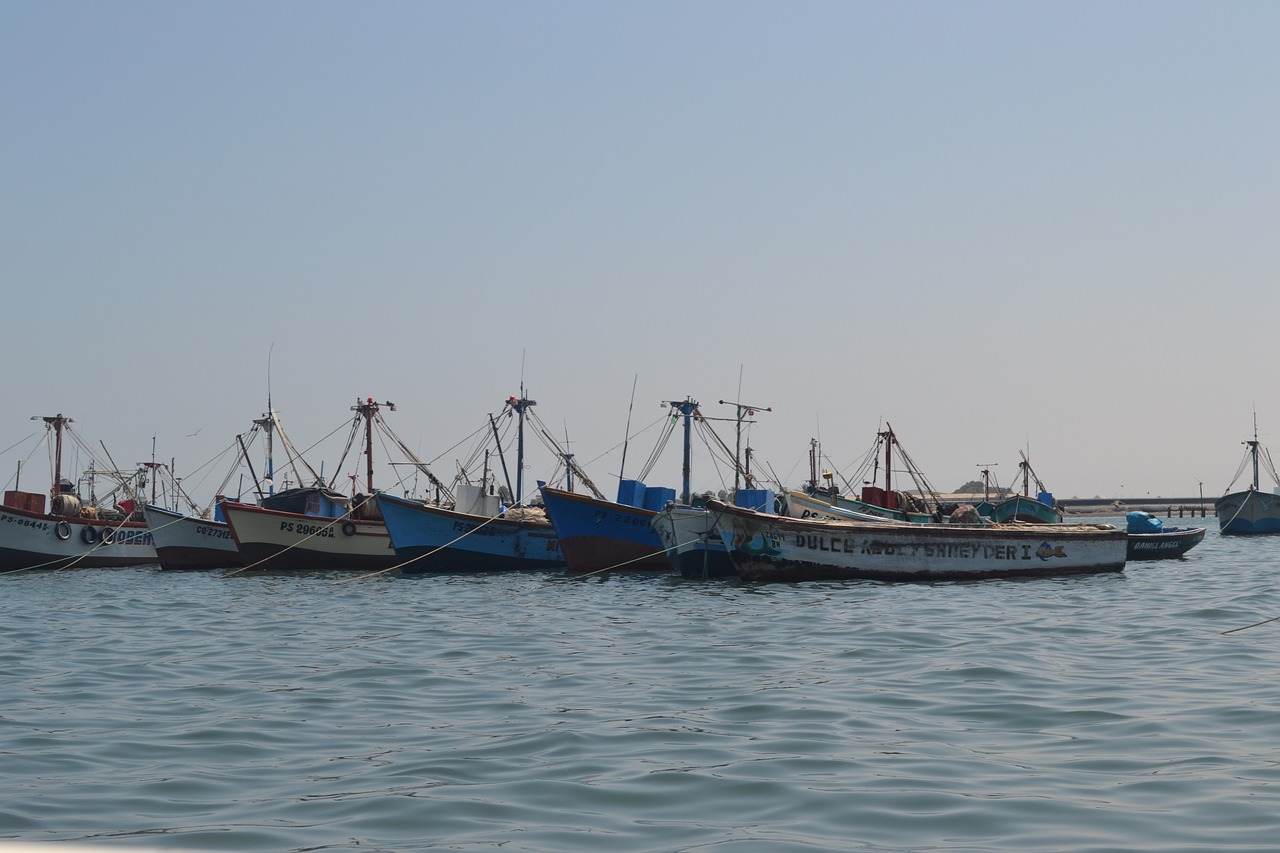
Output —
(1144, 522)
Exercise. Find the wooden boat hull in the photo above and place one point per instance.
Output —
(1170, 543)
(279, 541)
(596, 535)
(854, 505)
(432, 539)
(31, 540)
(186, 543)
(802, 505)
(1025, 509)
(1248, 512)
(693, 546)
(769, 548)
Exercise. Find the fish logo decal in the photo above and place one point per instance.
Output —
(1045, 551)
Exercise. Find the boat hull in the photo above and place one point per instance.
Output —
(185, 543)
(1025, 509)
(30, 540)
(429, 539)
(864, 507)
(769, 548)
(802, 505)
(1249, 512)
(597, 535)
(1170, 543)
(279, 541)
(692, 545)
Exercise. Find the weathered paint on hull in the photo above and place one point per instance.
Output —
(1168, 544)
(606, 553)
(1249, 512)
(431, 539)
(286, 541)
(767, 548)
(692, 544)
(596, 535)
(31, 540)
(184, 543)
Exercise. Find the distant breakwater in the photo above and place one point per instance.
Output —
(1167, 507)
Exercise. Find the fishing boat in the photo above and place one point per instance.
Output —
(884, 501)
(686, 528)
(316, 527)
(324, 535)
(1149, 539)
(693, 546)
(201, 538)
(76, 531)
(1251, 510)
(486, 529)
(598, 535)
(1039, 509)
(429, 539)
(185, 542)
(774, 548)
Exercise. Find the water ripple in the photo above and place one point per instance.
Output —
(634, 713)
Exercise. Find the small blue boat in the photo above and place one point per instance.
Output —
(1149, 539)
(1040, 509)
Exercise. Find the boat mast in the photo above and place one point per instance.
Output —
(267, 422)
(368, 410)
(1253, 451)
(502, 457)
(56, 423)
(519, 407)
(744, 410)
(813, 465)
(686, 409)
(888, 457)
(986, 479)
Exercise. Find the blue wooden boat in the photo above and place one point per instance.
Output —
(597, 535)
(1252, 510)
(429, 538)
(1149, 539)
(1039, 509)
(480, 533)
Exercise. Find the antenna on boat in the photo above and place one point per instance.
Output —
(986, 478)
(744, 410)
(626, 436)
(568, 460)
(520, 406)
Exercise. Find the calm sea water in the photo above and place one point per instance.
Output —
(526, 712)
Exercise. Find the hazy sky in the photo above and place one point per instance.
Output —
(995, 225)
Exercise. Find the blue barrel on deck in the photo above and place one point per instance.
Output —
(631, 492)
(656, 498)
(761, 500)
(1045, 498)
